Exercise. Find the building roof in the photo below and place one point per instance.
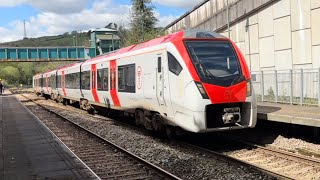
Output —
(103, 30)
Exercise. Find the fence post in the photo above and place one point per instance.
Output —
(301, 92)
(262, 87)
(276, 81)
(291, 86)
(319, 87)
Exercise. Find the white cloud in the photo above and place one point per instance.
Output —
(55, 19)
(56, 6)
(59, 6)
(186, 4)
(7, 35)
(11, 3)
(164, 20)
(52, 23)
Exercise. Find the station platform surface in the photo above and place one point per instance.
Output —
(29, 151)
(286, 113)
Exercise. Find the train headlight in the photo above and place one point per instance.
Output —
(249, 87)
(202, 90)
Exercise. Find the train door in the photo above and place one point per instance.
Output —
(94, 83)
(113, 83)
(160, 81)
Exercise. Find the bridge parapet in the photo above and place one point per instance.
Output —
(46, 53)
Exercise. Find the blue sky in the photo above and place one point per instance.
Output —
(53, 17)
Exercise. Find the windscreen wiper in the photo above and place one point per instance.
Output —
(206, 72)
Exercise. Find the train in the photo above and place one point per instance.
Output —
(194, 80)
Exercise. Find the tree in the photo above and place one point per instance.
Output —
(112, 26)
(123, 34)
(10, 74)
(142, 20)
(74, 32)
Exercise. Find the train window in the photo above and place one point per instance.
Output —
(41, 82)
(159, 64)
(174, 65)
(48, 81)
(126, 78)
(85, 80)
(59, 81)
(76, 84)
(103, 79)
(214, 59)
(51, 81)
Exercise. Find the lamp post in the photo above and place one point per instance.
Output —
(228, 17)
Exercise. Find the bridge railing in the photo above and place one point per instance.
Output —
(298, 86)
(45, 53)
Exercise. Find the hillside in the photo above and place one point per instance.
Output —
(80, 39)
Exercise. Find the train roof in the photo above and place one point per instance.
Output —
(152, 42)
(185, 34)
(69, 65)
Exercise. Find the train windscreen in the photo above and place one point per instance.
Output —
(215, 62)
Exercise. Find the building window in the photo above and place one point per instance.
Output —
(127, 78)
(174, 65)
(103, 79)
(85, 80)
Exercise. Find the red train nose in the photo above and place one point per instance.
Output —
(219, 94)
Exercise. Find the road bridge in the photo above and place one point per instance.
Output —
(45, 54)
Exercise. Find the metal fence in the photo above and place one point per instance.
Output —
(288, 86)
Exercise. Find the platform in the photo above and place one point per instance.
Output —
(293, 114)
(29, 151)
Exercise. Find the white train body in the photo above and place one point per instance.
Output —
(161, 76)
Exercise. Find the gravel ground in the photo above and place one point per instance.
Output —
(181, 160)
(296, 145)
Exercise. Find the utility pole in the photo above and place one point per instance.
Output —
(24, 28)
(228, 17)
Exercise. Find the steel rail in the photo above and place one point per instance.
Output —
(274, 174)
(164, 172)
(226, 157)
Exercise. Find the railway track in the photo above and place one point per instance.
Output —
(288, 164)
(104, 158)
(281, 164)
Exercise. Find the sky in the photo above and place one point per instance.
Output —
(54, 17)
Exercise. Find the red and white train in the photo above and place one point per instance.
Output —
(195, 80)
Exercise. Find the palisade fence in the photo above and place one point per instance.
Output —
(298, 86)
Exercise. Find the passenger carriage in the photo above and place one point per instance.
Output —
(198, 81)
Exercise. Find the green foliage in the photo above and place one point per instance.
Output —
(14, 73)
(82, 39)
(10, 74)
(142, 22)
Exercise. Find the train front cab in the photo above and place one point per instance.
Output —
(223, 79)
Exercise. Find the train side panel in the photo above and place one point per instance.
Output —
(37, 85)
(72, 83)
